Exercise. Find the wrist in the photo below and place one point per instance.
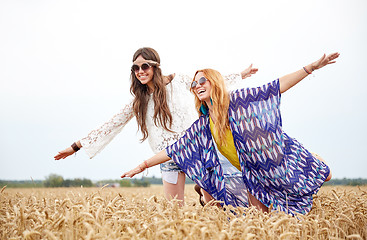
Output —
(308, 69)
(75, 147)
(143, 166)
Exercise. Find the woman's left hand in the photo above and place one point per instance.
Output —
(324, 60)
(248, 72)
(132, 172)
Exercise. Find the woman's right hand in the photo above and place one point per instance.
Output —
(160, 157)
(64, 153)
(133, 172)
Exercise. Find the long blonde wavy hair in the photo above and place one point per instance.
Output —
(220, 100)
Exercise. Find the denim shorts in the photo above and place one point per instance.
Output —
(170, 166)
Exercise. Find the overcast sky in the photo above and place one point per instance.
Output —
(65, 66)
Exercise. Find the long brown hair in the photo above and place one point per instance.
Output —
(162, 114)
(220, 98)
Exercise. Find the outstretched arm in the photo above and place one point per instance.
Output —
(100, 137)
(160, 157)
(289, 80)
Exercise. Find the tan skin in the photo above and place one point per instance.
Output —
(203, 93)
(145, 77)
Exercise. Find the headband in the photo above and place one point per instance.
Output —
(148, 61)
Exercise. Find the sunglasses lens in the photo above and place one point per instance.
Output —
(202, 80)
(145, 66)
(135, 68)
(193, 84)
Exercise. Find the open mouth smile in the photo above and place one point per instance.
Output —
(201, 91)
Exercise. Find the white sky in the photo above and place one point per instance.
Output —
(65, 65)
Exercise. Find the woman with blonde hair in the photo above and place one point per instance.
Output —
(163, 108)
(246, 127)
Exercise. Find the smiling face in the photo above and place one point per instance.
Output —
(144, 76)
(202, 91)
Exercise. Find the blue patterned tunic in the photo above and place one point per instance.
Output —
(276, 168)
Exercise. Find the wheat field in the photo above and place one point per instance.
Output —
(143, 213)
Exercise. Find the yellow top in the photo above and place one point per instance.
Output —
(229, 151)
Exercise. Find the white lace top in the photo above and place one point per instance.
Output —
(181, 104)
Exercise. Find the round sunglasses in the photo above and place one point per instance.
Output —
(202, 80)
(144, 67)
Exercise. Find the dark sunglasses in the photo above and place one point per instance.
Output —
(144, 67)
(202, 80)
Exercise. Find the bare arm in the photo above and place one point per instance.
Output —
(159, 158)
(289, 80)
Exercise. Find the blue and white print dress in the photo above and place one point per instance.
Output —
(275, 168)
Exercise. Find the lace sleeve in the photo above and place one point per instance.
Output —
(232, 79)
(184, 79)
(98, 139)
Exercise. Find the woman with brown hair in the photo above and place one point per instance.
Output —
(164, 109)
(246, 127)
